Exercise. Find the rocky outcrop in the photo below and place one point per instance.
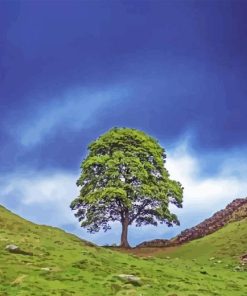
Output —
(129, 278)
(235, 211)
(156, 243)
(16, 250)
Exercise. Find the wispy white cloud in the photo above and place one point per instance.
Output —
(74, 109)
(45, 198)
(211, 192)
(42, 198)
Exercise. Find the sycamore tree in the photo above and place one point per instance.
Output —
(124, 179)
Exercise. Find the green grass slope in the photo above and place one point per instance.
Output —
(62, 264)
(228, 244)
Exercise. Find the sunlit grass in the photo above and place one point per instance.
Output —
(62, 264)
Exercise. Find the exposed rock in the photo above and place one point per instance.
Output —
(12, 248)
(129, 278)
(156, 243)
(45, 268)
(17, 250)
(235, 211)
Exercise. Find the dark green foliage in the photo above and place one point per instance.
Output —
(124, 179)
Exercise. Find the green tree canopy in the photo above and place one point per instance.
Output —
(124, 179)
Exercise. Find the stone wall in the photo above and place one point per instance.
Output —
(235, 211)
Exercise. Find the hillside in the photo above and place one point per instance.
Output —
(235, 211)
(54, 262)
(229, 244)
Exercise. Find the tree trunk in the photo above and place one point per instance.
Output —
(124, 235)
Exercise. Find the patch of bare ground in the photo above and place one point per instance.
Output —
(146, 252)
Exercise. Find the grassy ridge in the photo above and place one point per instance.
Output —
(228, 243)
(62, 264)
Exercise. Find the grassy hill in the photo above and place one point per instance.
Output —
(234, 211)
(61, 264)
(228, 243)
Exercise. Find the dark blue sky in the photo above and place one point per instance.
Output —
(70, 70)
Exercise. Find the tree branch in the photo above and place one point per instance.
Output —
(140, 209)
